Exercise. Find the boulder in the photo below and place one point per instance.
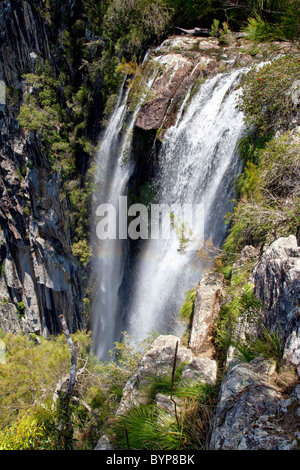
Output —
(104, 444)
(249, 414)
(159, 361)
(206, 309)
(201, 369)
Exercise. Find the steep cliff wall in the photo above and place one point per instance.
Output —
(39, 277)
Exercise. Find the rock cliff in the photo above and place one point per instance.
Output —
(39, 277)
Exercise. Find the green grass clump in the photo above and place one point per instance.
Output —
(187, 308)
(267, 344)
(149, 427)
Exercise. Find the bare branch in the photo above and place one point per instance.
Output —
(73, 348)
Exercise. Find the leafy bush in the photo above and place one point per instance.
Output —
(281, 23)
(24, 434)
(131, 25)
(34, 366)
(267, 98)
(269, 196)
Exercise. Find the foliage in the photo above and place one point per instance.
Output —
(267, 98)
(241, 303)
(82, 251)
(283, 24)
(224, 33)
(32, 371)
(269, 196)
(24, 434)
(266, 344)
(21, 308)
(131, 25)
(187, 308)
(150, 427)
(214, 28)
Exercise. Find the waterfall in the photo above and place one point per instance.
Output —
(113, 173)
(198, 163)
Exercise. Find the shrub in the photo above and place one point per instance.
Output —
(267, 344)
(241, 303)
(267, 99)
(269, 196)
(150, 427)
(32, 371)
(24, 434)
(132, 24)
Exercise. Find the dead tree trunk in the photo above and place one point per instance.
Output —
(65, 424)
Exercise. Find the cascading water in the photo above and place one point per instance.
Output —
(113, 172)
(198, 163)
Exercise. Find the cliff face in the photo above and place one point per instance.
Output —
(39, 278)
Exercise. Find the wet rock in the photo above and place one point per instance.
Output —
(181, 63)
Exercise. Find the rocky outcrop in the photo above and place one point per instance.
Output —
(39, 278)
(178, 70)
(251, 414)
(253, 411)
(277, 284)
(183, 62)
(206, 308)
(38, 270)
(159, 361)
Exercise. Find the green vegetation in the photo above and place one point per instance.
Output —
(268, 101)
(131, 26)
(266, 344)
(268, 195)
(280, 23)
(153, 427)
(30, 418)
(187, 308)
